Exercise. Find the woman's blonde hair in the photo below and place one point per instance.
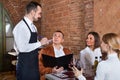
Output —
(113, 41)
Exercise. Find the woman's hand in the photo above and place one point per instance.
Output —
(76, 71)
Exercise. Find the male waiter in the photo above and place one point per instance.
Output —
(27, 44)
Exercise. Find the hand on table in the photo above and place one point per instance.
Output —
(57, 70)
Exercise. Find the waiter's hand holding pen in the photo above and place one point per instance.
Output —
(45, 41)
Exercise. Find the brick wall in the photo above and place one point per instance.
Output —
(73, 17)
(107, 16)
(16, 10)
(89, 16)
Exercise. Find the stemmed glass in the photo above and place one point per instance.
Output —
(75, 62)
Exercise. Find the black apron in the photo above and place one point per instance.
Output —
(27, 67)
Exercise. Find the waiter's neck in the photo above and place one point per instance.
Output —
(29, 16)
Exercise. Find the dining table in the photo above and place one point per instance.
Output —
(65, 75)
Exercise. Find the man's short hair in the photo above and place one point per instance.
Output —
(32, 6)
(60, 32)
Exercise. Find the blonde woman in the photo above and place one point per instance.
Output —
(110, 68)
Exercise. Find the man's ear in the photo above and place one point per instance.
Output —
(62, 40)
(32, 12)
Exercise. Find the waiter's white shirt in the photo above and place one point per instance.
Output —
(22, 36)
(108, 69)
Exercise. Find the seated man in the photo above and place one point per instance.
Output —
(54, 50)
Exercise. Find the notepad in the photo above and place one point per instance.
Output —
(64, 61)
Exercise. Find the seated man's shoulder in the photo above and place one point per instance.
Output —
(67, 50)
(49, 47)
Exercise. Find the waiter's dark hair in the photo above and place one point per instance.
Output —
(32, 6)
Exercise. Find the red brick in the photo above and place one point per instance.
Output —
(73, 17)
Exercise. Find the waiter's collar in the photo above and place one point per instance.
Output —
(29, 22)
